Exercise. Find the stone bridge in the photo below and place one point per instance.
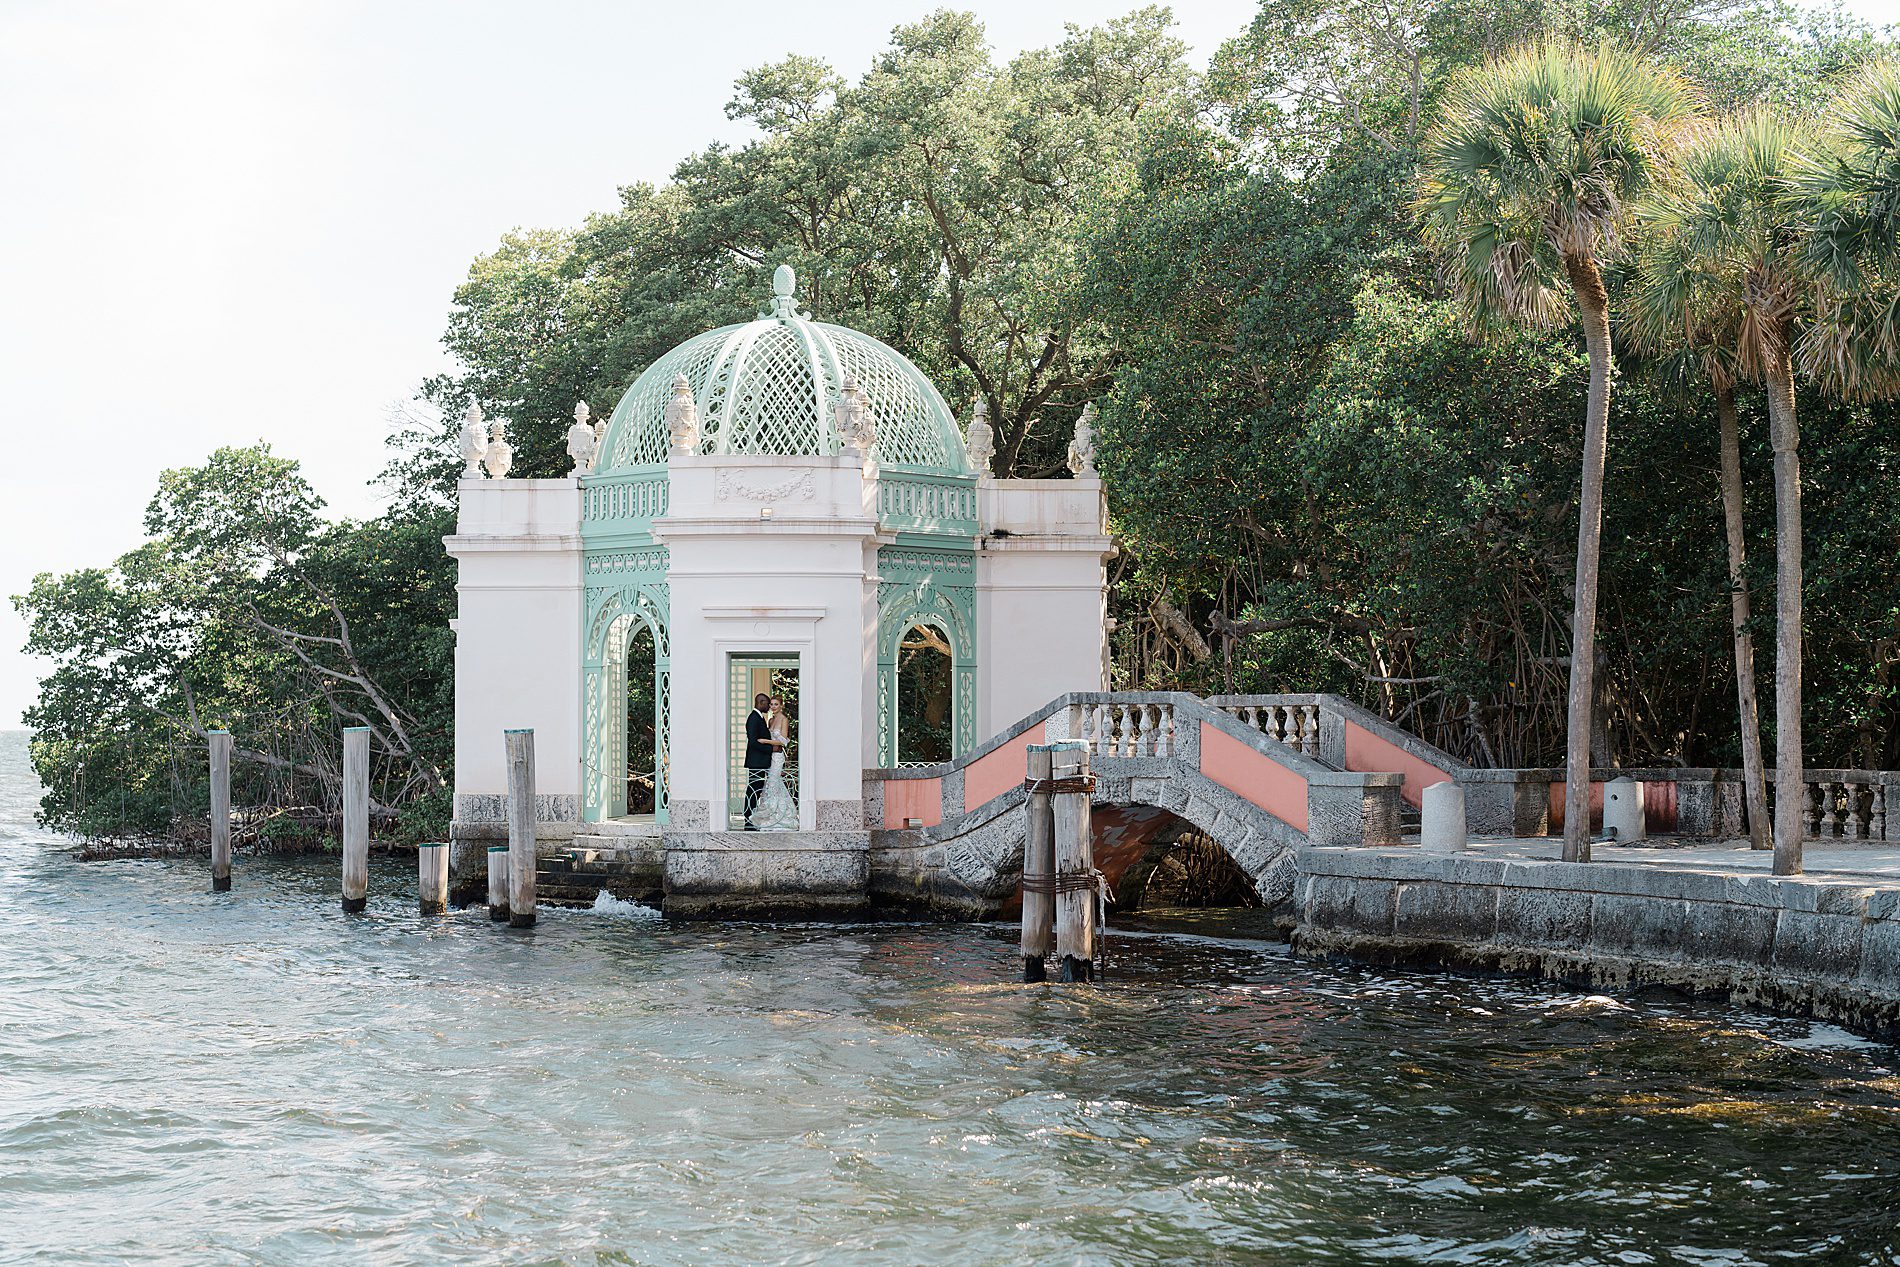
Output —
(1260, 776)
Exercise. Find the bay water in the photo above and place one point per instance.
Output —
(255, 1078)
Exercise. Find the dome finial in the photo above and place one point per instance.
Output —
(784, 292)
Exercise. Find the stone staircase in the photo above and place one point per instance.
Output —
(624, 859)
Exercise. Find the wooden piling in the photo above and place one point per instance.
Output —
(1039, 871)
(498, 882)
(521, 828)
(432, 878)
(355, 818)
(220, 745)
(1075, 864)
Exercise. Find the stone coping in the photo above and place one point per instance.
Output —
(1183, 703)
(1363, 718)
(768, 841)
(1355, 778)
(1824, 894)
(1666, 774)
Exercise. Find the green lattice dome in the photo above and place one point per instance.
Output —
(770, 385)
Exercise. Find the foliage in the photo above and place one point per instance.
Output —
(936, 204)
(1310, 460)
(245, 611)
(1319, 477)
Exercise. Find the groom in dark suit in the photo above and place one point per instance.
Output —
(758, 755)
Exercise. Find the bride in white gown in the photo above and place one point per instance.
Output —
(777, 811)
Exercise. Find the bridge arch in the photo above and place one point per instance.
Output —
(950, 837)
(984, 856)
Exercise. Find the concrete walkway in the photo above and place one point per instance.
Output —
(1878, 862)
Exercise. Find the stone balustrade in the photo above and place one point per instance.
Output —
(1281, 718)
(1846, 804)
(1692, 802)
(1117, 729)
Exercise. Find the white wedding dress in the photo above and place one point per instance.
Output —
(776, 810)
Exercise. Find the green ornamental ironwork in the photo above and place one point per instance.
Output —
(772, 386)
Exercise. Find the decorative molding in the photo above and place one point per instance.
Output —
(733, 488)
(806, 614)
(650, 559)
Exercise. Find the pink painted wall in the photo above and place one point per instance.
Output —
(1659, 805)
(921, 799)
(1245, 772)
(1369, 754)
(994, 773)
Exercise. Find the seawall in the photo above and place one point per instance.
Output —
(1821, 946)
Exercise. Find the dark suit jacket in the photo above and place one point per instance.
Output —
(758, 752)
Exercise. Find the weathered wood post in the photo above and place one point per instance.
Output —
(520, 745)
(498, 882)
(1076, 877)
(432, 878)
(220, 745)
(1039, 869)
(355, 818)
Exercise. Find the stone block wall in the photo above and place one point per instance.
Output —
(1827, 948)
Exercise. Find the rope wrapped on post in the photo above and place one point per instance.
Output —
(1084, 783)
(1090, 880)
(1087, 881)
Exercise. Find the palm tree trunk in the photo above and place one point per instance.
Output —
(1784, 433)
(1593, 310)
(1754, 793)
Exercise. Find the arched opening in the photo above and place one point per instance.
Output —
(1186, 870)
(624, 715)
(926, 695)
(640, 791)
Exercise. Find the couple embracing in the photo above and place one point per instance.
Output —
(768, 802)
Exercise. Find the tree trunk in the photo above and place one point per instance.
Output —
(1754, 793)
(1593, 311)
(1784, 433)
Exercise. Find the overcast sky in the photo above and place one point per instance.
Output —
(225, 220)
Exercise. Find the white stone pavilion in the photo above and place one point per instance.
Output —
(779, 505)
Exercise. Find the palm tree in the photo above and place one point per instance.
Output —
(1847, 188)
(1524, 189)
(1718, 275)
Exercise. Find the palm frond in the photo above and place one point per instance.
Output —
(1535, 157)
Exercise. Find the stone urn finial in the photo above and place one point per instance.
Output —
(501, 456)
(582, 443)
(474, 441)
(1082, 448)
(682, 418)
(981, 441)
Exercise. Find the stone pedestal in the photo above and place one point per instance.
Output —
(768, 875)
(1442, 819)
(1623, 811)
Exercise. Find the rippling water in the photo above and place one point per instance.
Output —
(254, 1078)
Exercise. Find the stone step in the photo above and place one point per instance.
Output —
(618, 848)
(562, 886)
(643, 829)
